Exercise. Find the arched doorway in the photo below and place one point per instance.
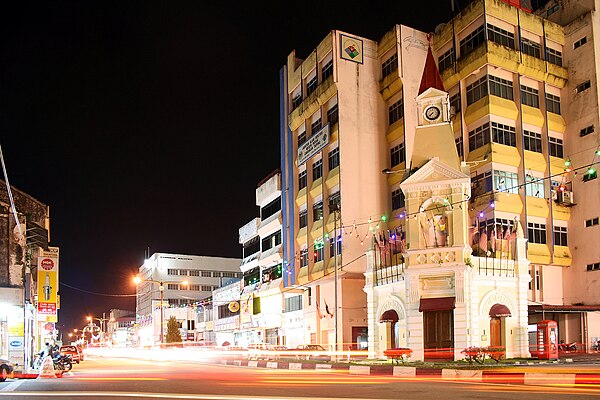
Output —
(390, 318)
(497, 314)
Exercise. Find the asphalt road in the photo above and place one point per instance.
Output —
(126, 378)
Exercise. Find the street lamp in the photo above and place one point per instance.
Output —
(90, 318)
(161, 288)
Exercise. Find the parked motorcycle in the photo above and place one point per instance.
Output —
(567, 347)
(62, 363)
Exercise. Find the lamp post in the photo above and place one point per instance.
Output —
(102, 320)
(161, 288)
(335, 209)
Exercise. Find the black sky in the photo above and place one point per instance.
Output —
(149, 124)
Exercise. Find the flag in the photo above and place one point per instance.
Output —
(327, 308)
(319, 312)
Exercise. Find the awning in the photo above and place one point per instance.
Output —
(499, 310)
(389, 316)
(437, 304)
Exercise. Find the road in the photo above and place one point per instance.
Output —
(127, 378)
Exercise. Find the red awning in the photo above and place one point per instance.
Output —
(389, 316)
(499, 310)
(437, 304)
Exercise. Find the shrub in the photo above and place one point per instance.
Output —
(479, 354)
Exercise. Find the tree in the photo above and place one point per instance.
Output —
(173, 335)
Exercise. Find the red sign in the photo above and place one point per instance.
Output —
(46, 308)
(47, 264)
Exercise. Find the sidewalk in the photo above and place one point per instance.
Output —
(569, 369)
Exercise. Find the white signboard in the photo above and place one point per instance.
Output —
(313, 145)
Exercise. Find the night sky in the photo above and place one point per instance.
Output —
(149, 124)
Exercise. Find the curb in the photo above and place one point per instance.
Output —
(485, 376)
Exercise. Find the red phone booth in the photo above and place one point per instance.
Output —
(547, 340)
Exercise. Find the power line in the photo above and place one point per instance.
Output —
(96, 293)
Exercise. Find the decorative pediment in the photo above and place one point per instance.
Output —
(431, 94)
(435, 172)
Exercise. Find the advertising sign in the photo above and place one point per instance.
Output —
(47, 281)
(351, 49)
(313, 145)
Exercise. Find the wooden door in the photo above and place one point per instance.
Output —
(495, 332)
(438, 332)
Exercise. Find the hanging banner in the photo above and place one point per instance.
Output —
(47, 281)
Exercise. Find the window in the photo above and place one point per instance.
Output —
(303, 218)
(271, 241)
(317, 170)
(501, 87)
(315, 126)
(477, 90)
(459, 147)
(303, 258)
(171, 271)
(532, 141)
(333, 115)
(255, 305)
(332, 250)
(481, 184)
(591, 222)
(504, 134)
(560, 236)
(586, 131)
(296, 101)
(390, 65)
(183, 272)
(446, 60)
(206, 274)
(506, 182)
(556, 147)
(270, 209)
(472, 41)
(397, 199)
(536, 233)
(396, 111)
(530, 97)
(554, 56)
(593, 267)
(591, 174)
(397, 155)
(302, 180)
(530, 47)
(534, 186)
(194, 286)
(319, 252)
(172, 286)
(479, 136)
(194, 273)
(580, 42)
(496, 227)
(335, 202)
(583, 86)
(311, 86)
(301, 138)
(327, 70)
(552, 103)
(455, 102)
(293, 303)
(216, 274)
(334, 158)
(501, 36)
(228, 274)
(317, 211)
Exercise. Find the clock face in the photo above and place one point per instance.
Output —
(432, 113)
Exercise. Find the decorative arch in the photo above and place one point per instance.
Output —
(392, 303)
(434, 200)
(493, 297)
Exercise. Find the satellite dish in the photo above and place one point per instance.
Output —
(439, 27)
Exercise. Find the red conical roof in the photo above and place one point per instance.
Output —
(431, 77)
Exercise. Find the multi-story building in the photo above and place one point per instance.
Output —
(523, 103)
(183, 280)
(23, 250)
(120, 327)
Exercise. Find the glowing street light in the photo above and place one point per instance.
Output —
(161, 288)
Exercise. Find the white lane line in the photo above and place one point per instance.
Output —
(12, 386)
(164, 396)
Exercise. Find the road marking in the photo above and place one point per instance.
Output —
(12, 386)
(116, 378)
(164, 396)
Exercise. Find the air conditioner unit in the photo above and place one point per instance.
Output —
(555, 195)
(565, 197)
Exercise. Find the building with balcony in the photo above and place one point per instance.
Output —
(187, 279)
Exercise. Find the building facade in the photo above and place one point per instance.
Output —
(183, 280)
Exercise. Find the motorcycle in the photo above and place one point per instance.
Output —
(61, 363)
(567, 347)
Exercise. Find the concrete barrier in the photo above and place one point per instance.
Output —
(542, 379)
(237, 362)
(271, 364)
(359, 370)
(325, 367)
(462, 374)
(295, 366)
(253, 364)
(405, 372)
